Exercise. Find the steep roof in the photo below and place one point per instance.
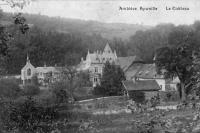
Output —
(125, 62)
(28, 65)
(107, 48)
(142, 85)
(148, 71)
(132, 70)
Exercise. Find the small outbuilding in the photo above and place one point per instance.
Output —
(141, 89)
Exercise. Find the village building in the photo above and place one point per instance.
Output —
(44, 75)
(148, 72)
(134, 68)
(149, 88)
(142, 72)
(94, 62)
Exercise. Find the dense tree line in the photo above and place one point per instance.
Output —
(181, 57)
(51, 47)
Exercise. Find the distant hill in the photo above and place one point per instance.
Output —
(65, 25)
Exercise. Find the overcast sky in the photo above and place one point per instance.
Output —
(108, 10)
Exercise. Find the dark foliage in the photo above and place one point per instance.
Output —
(111, 81)
(28, 116)
(20, 21)
(34, 80)
(99, 90)
(31, 90)
(60, 91)
(178, 59)
(9, 88)
(137, 96)
(83, 79)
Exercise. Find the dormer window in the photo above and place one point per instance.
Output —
(29, 72)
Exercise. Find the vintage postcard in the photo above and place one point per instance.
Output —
(99, 66)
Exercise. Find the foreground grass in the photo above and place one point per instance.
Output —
(124, 123)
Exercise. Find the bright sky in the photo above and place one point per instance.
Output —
(108, 10)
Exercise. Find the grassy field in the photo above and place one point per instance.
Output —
(125, 123)
(174, 121)
(81, 119)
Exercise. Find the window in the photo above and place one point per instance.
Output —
(108, 51)
(29, 72)
(95, 79)
(96, 69)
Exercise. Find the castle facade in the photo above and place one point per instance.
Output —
(95, 61)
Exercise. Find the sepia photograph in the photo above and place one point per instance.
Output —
(99, 66)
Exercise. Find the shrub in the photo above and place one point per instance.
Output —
(171, 96)
(137, 96)
(31, 90)
(34, 80)
(99, 91)
(28, 116)
(59, 90)
(9, 88)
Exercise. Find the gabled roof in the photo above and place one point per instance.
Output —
(148, 71)
(132, 70)
(28, 65)
(125, 62)
(48, 69)
(142, 85)
(107, 48)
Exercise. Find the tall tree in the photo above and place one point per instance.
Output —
(69, 74)
(177, 59)
(111, 81)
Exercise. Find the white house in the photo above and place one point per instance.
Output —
(94, 62)
(44, 74)
(148, 72)
(27, 72)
